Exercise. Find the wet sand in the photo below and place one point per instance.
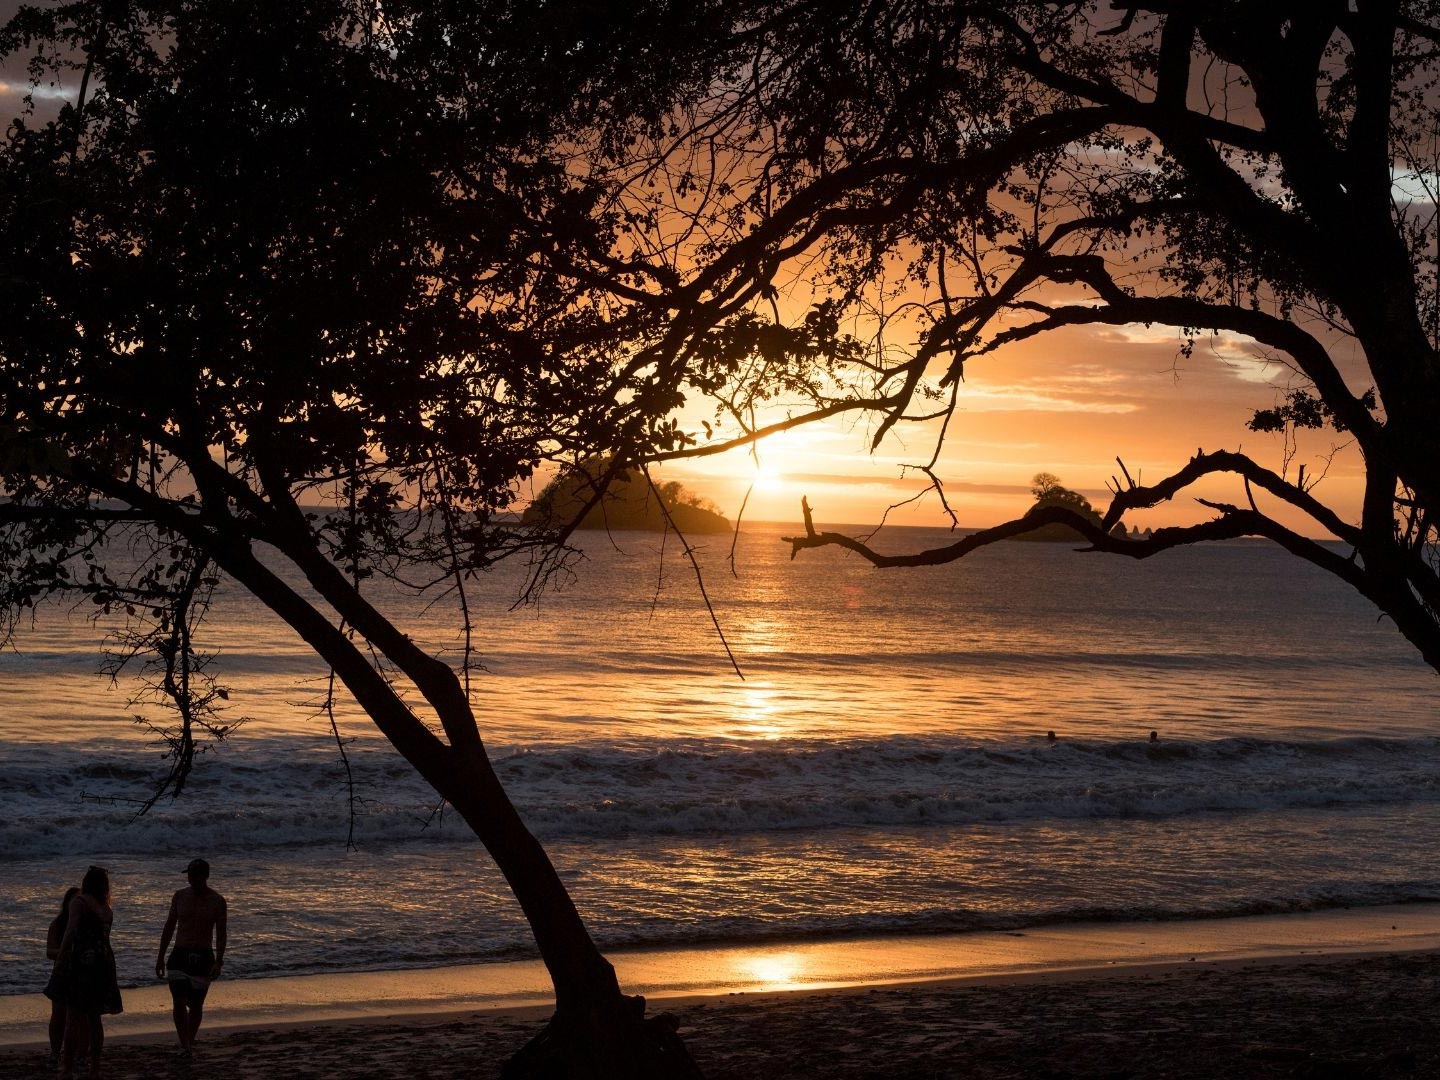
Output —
(665, 974)
(1332, 994)
(1312, 1017)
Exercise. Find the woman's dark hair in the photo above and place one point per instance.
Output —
(57, 924)
(96, 883)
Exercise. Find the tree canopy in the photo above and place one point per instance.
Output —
(963, 177)
(279, 255)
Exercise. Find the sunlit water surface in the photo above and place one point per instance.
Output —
(882, 766)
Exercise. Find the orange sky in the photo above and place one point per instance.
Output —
(1065, 403)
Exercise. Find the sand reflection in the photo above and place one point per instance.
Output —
(772, 970)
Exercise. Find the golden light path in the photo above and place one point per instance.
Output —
(758, 714)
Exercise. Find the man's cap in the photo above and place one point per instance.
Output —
(198, 866)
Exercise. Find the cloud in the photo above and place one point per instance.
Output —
(1139, 334)
(888, 478)
(1241, 359)
(1410, 186)
(1239, 356)
(1022, 399)
(40, 93)
(1088, 375)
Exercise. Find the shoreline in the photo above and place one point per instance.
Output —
(694, 977)
(1320, 1016)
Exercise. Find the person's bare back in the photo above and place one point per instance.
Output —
(197, 914)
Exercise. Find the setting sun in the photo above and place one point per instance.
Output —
(768, 479)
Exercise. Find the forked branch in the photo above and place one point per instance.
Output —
(1231, 523)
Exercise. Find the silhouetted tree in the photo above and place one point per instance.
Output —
(277, 255)
(1043, 485)
(395, 258)
(972, 174)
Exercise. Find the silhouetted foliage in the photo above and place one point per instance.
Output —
(288, 253)
(392, 259)
(960, 177)
(1302, 409)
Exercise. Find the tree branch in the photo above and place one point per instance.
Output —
(1136, 497)
(1231, 524)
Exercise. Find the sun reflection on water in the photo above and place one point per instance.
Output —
(758, 714)
(763, 635)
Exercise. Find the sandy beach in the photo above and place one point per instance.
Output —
(1330, 1017)
(1330, 994)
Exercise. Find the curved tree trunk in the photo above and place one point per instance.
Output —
(597, 1033)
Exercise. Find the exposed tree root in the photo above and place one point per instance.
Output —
(622, 1046)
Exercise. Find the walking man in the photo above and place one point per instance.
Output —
(197, 916)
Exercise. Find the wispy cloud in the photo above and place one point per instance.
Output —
(1087, 376)
(888, 479)
(1022, 399)
(1242, 360)
(40, 93)
(1239, 356)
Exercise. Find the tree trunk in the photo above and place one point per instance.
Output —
(597, 1033)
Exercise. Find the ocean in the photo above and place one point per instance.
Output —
(882, 767)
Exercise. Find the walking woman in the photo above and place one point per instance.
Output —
(90, 989)
(54, 989)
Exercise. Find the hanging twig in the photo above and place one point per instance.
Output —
(447, 511)
(352, 800)
(183, 683)
(437, 815)
(735, 536)
(694, 565)
(660, 574)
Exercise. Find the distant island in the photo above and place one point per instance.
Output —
(1048, 491)
(629, 503)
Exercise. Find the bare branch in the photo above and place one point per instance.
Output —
(1225, 461)
(699, 576)
(1231, 524)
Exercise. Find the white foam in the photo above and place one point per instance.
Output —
(268, 793)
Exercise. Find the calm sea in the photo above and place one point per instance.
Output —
(881, 767)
